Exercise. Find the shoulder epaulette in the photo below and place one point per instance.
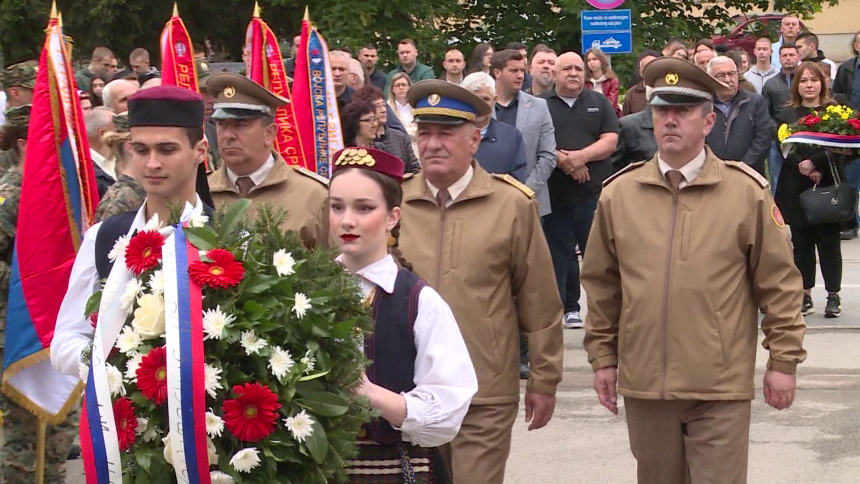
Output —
(310, 174)
(739, 165)
(516, 183)
(630, 167)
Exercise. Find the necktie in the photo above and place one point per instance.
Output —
(244, 184)
(442, 198)
(674, 177)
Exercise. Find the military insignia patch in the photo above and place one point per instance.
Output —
(229, 92)
(2, 201)
(672, 78)
(434, 99)
(777, 216)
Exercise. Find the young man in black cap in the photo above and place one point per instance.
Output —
(674, 293)
(245, 121)
(168, 150)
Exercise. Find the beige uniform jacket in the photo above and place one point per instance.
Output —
(303, 194)
(488, 258)
(675, 283)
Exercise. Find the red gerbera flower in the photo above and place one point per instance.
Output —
(152, 375)
(224, 270)
(855, 123)
(811, 120)
(143, 251)
(94, 319)
(126, 423)
(251, 417)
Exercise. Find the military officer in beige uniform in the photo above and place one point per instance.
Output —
(476, 238)
(685, 250)
(244, 119)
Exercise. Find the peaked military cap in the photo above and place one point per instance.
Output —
(237, 97)
(441, 102)
(676, 82)
(20, 75)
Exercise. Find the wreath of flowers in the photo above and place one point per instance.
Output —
(281, 327)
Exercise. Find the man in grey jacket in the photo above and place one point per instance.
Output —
(531, 116)
(743, 129)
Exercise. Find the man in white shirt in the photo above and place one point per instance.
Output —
(453, 65)
(167, 143)
(98, 122)
(244, 119)
(789, 31)
(763, 70)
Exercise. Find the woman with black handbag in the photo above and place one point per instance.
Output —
(808, 194)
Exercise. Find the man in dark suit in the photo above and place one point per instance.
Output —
(502, 150)
(636, 141)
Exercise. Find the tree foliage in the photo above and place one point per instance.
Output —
(434, 24)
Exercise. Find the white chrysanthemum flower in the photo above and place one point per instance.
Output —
(132, 290)
(281, 362)
(118, 250)
(214, 322)
(252, 343)
(198, 220)
(156, 282)
(302, 305)
(141, 425)
(148, 435)
(153, 224)
(214, 425)
(83, 372)
(245, 460)
(212, 380)
(128, 340)
(132, 365)
(301, 426)
(115, 383)
(284, 263)
(218, 477)
(309, 362)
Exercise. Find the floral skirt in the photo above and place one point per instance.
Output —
(390, 464)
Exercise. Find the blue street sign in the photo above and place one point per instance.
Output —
(608, 42)
(605, 20)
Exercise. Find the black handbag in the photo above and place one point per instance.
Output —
(832, 204)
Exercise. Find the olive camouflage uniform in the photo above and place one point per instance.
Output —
(123, 196)
(17, 75)
(18, 453)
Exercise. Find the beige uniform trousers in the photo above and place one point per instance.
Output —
(478, 454)
(689, 441)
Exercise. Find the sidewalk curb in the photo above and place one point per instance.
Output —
(833, 329)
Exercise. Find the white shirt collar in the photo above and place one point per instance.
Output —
(690, 171)
(382, 273)
(103, 163)
(457, 188)
(187, 213)
(258, 177)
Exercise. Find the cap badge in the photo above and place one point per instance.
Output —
(672, 78)
(352, 156)
(229, 92)
(434, 99)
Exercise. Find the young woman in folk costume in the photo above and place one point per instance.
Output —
(421, 379)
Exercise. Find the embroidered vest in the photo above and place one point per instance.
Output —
(391, 347)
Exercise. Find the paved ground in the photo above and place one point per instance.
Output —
(816, 441)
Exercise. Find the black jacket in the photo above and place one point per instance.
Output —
(792, 183)
(845, 76)
(398, 144)
(103, 180)
(776, 92)
(636, 141)
(745, 134)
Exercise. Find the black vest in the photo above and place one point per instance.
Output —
(391, 347)
(110, 231)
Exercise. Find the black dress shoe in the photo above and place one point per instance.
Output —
(848, 234)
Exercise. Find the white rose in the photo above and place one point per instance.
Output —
(149, 317)
(168, 450)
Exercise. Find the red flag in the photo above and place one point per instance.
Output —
(177, 55)
(266, 67)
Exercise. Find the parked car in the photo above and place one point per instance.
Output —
(750, 27)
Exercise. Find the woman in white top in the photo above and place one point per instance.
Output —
(421, 379)
(400, 84)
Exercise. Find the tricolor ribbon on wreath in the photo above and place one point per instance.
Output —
(185, 370)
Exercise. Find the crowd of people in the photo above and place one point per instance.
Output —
(506, 170)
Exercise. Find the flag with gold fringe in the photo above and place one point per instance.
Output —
(57, 205)
(177, 54)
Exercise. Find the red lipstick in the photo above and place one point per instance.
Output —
(349, 237)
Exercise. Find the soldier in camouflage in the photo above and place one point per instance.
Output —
(18, 81)
(18, 453)
(126, 194)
